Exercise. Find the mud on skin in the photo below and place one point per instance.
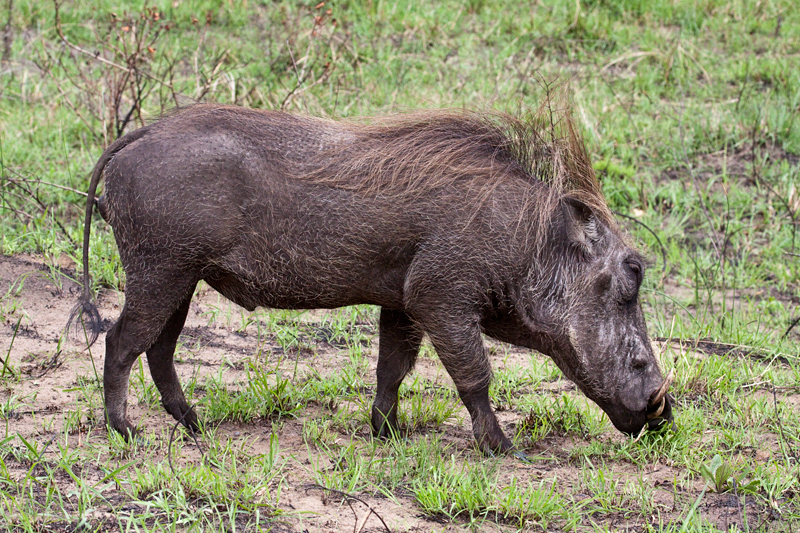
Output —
(456, 224)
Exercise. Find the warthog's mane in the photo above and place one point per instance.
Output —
(405, 155)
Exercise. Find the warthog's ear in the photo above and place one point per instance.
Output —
(579, 223)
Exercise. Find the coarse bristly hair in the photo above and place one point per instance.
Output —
(406, 155)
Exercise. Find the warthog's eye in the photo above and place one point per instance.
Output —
(636, 269)
(630, 280)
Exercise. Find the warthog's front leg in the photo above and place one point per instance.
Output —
(399, 344)
(464, 356)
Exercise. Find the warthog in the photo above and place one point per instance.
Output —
(455, 223)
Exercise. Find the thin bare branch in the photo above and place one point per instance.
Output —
(347, 497)
(97, 56)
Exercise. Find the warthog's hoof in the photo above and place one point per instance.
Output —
(131, 436)
(124, 428)
(389, 432)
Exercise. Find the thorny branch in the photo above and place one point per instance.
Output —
(125, 80)
(301, 76)
(98, 57)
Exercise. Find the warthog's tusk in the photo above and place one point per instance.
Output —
(660, 394)
(657, 412)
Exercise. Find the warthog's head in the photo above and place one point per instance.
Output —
(593, 321)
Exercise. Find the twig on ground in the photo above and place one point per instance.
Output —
(724, 348)
(51, 364)
(706, 345)
(791, 326)
(359, 526)
(172, 438)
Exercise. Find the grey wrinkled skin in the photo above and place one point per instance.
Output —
(224, 195)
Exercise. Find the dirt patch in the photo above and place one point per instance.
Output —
(742, 161)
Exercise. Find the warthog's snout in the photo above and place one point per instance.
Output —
(659, 408)
(657, 413)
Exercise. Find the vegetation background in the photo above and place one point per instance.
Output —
(690, 110)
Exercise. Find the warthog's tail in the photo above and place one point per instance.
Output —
(84, 316)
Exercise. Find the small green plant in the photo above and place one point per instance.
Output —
(426, 404)
(8, 406)
(268, 394)
(722, 476)
(9, 304)
(456, 491)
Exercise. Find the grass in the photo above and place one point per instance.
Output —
(690, 111)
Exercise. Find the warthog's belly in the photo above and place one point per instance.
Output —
(311, 276)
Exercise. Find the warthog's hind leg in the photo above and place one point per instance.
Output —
(160, 358)
(150, 307)
(400, 340)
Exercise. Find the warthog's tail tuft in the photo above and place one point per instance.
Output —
(86, 307)
(84, 320)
